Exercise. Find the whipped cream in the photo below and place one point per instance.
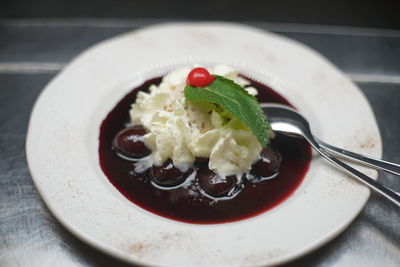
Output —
(181, 131)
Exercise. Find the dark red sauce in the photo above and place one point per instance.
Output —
(189, 206)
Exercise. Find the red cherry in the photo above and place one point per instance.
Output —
(199, 77)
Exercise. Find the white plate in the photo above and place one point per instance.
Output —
(62, 147)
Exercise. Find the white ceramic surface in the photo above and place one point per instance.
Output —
(63, 134)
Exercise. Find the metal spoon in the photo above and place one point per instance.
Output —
(286, 120)
(368, 161)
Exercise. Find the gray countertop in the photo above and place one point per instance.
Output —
(31, 54)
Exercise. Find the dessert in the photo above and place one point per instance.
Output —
(195, 147)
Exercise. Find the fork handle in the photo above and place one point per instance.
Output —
(371, 183)
(368, 161)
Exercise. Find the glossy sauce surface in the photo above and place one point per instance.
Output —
(187, 204)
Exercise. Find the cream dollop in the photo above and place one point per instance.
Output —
(182, 131)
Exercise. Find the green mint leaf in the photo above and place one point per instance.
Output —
(234, 99)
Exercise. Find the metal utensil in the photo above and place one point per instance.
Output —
(368, 161)
(286, 120)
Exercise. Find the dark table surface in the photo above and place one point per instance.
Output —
(32, 52)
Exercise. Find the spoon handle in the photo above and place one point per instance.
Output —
(371, 183)
(368, 161)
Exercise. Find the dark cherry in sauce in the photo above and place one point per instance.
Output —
(215, 185)
(268, 165)
(129, 142)
(167, 174)
(187, 203)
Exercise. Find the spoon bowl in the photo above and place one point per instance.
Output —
(286, 120)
